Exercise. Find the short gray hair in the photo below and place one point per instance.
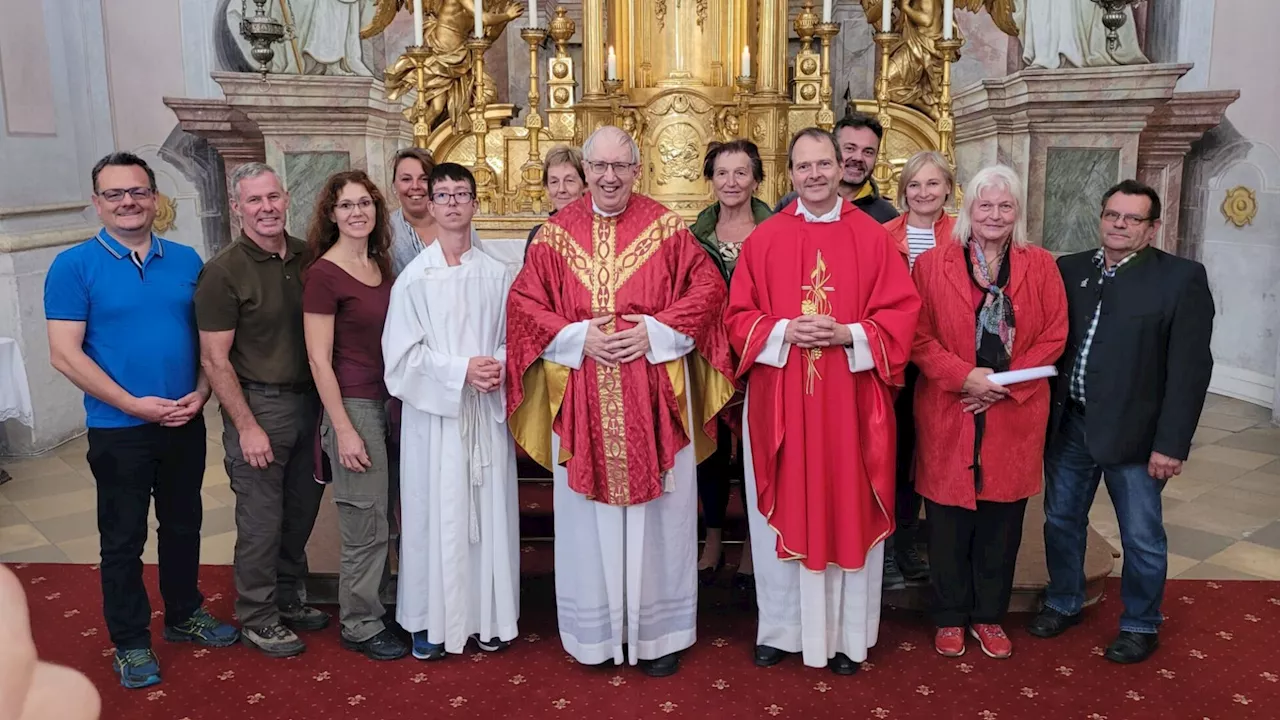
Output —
(993, 177)
(618, 134)
(918, 162)
(247, 171)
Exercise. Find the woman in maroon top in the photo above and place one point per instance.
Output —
(346, 291)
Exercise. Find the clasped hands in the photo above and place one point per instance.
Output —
(169, 413)
(979, 393)
(816, 331)
(484, 373)
(613, 349)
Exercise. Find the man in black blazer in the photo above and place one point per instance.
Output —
(1127, 399)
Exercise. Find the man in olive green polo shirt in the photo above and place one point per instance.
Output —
(249, 312)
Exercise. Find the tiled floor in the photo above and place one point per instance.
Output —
(1222, 513)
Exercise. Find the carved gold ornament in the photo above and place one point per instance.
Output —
(1240, 206)
(680, 150)
(166, 214)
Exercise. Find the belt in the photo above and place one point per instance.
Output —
(277, 388)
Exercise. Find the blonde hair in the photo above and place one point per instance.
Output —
(994, 177)
(917, 163)
(563, 155)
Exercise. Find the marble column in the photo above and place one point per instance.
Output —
(1163, 147)
(1070, 134)
(237, 139)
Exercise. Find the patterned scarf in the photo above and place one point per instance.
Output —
(995, 317)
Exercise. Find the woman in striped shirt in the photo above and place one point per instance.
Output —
(924, 190)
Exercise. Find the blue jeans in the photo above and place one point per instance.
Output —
(1071, 481)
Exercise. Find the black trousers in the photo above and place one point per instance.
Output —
(130, 465)
(971, 560)
(714, 476)
(906, 498)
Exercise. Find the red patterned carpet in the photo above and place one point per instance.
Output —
(1219, 660)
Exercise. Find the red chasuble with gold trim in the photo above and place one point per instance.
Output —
(620, 428)
(822, 438)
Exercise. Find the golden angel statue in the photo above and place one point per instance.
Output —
(450, 81)
(915, 63)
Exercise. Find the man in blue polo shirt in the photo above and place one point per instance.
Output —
(122, 328)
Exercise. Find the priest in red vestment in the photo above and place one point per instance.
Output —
(617, 365)
(822, 312)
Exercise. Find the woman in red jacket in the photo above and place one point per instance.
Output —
(990, 303)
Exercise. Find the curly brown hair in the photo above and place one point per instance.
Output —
(322, 233)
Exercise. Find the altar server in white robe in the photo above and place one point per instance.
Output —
(445, 346)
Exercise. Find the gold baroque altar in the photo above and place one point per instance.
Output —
(673, 75)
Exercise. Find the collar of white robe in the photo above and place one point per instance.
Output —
(830, 216)
(475, 443)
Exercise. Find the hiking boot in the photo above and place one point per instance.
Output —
(299, 617)
(383, 646)
(203, 629)
(893, 578)
(275, 641)
(137, 668)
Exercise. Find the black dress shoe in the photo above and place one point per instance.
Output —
(768, 656)
(842, 665)
(744, 583)
(1132, 647)
(1051, 623)
(707, 576)
(663, 666)
(383, 646)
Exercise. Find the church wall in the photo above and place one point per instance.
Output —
(1243, 263)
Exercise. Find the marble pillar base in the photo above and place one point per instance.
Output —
(1070, 133)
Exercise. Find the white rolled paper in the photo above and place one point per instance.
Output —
(1016, 376)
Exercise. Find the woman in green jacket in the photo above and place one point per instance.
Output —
(735, 171)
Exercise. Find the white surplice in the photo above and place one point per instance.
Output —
(460, 543)
(817, 614)
(627, 575)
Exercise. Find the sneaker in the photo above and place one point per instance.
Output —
(912, 564)
(137, 668)
(949, 641)
(272, 640)
(491, 645)
(992, 640)
(297, 616)
(383, 646)
(203, 629)
(893, 578)
(424, 650)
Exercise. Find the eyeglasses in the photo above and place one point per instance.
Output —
(115, 195)
(1111, 216)
(600, 168)
(462, 197)
(348, 206)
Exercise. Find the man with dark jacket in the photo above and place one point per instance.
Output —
(859, 136)
(1130, 389)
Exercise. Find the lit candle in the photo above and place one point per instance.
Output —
(826, 11)
(417, 23)
(613, 65)
(746, 61)
(479, 6)
(886, 17)
(533, 13)
(948, 19)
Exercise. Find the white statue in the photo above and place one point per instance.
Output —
(325, 36)
(1070, 33)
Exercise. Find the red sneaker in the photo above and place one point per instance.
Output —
(949, 641)
(993, 640)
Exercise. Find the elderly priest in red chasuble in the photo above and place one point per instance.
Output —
(617, 365)
(821, 312)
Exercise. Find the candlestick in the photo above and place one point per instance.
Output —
(826, 116)
(746, 61)
(826, 11)
(948, 19)
(886, 17)
(613, 65)
(479, 8)
(883, 172)
(531, 194)
(946, 118)
(417, 24)
(533, 13)
(487, 190)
